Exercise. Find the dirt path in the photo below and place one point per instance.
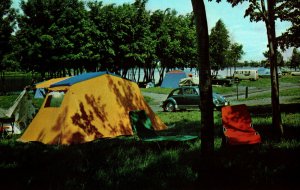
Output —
(158, 98)
(263, 101)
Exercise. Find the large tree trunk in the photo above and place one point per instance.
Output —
(206, 103)
(270, 25)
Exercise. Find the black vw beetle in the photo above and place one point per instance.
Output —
(188, 97)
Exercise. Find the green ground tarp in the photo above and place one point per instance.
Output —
(142, 127)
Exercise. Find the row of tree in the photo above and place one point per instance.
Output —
(60, 37)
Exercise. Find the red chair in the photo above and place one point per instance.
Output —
(237, 126)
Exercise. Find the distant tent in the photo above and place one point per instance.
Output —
(172, 79)
(87, 107)
(40, 93)
(40, 88)
(189, 81)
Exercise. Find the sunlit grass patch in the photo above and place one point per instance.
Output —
(291, 119)
(157, 90)
(290, 92)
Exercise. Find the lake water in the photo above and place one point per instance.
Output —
(225, 72)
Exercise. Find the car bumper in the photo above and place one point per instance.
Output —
(219, 104)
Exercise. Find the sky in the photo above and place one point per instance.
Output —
(251, 35)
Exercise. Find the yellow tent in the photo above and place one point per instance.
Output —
(87, 107)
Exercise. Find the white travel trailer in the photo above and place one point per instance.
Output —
(246, 74)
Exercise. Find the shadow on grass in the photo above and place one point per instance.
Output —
(105, 164)
(267, 109)
(129, 164)
(264, 111)
(125, 163)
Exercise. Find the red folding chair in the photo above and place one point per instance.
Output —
(237, 126)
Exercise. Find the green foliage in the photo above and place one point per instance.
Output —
(219, 44)
(286, 10)
(91, 36)
(7, 24)
(289, 11)
(295, 59)
(234, 54)
(251, 63)
(53, 38)
(223, 52)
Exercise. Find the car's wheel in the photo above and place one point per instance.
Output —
(170, 107)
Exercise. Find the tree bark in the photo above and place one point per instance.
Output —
(270, 25)
(206, 103)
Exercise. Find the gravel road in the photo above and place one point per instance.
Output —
(158, 98)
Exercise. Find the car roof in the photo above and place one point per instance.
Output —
(184, 87)
(188, 87)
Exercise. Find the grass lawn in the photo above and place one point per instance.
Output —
(127, 163)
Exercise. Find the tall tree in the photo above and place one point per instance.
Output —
(165, 26)
(223, 52)
(55, 36)
(219, 45)
(295, 59)
(123, 38)
(7, 23)
(206, 104)
(234, 54)
(264, 10)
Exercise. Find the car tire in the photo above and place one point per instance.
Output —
(170, 107)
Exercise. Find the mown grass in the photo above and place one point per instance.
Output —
(283, 92)
(157, 90)
(148, 99)
(128, 163)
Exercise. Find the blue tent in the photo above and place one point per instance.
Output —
(172, 78)
(40, 93)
